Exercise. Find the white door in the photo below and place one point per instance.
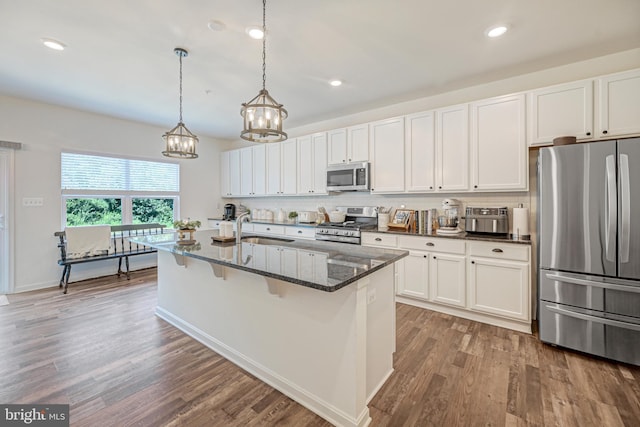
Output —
(6, 263)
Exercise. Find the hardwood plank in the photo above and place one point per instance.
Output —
(102, 350)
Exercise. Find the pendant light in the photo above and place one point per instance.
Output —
(262, 115)
(180, 142)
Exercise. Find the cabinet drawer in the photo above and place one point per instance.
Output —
(499, 250)
(432, 244)
(300, 232)
(268, 229)
(379, 239)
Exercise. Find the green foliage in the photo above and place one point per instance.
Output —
(153, 210)
(94, 212)
(186, 225)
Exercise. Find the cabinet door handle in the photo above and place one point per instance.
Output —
(424, 256)
(378, 239)
(604, 132)
(473, 262)
(498, 250)
(475, 186)
(588, 133)
(268, 229)
(434, 257)
(430, 244)
(299, 231)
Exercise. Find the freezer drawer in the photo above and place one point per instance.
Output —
(609, 295)
(613, 337)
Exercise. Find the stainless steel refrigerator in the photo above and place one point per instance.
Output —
(589, 247)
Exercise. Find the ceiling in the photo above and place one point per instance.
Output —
(119, 59)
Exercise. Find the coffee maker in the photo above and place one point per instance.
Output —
(229, 212)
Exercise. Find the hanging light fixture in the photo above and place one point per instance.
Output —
(262, 115)
(180, 142)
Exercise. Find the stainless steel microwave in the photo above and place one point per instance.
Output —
(348, 177)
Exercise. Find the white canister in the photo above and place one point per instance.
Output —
(383, 221)
(226, 229)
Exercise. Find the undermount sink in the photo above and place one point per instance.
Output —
(265, 240)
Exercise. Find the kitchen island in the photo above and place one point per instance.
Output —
(315, 320)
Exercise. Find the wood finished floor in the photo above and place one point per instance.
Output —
(102, 350)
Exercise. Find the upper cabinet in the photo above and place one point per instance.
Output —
(499, 155)
(289, 163)
(348, 145)
(230, 173)
(452, 148)
(562, 110)
(386, 149)
(420, 149)
(619, 104)
(312, 164)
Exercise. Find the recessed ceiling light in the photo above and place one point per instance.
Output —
(53, 44)
(335, 82)
(215, 25)
(496, 31)
(255, 32)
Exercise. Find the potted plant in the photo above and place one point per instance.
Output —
(183, 227)
(292, 216)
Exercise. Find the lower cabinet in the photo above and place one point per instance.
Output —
(312, 266)
(499, 284)
(413, 275)
(483, 281)
(447, 277)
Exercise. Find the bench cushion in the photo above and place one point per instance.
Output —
(88, 241)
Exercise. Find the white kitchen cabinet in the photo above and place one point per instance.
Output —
(499, 280)
(447, 279)
(289, 167)
(452, 148)
(420, 140)
(561, 110)
(499, 153)
(386, 148)
(225, 189)
(414, 275)
(260, 228)
(246, 171)
(380, 240)
(300, 232)
(253, 255)
(312, 164)
(348, 145)
(273, 170)
(619, 104)
(234, 172)
(281, 260)
(253, 170)
(312, 266)
(259, 153)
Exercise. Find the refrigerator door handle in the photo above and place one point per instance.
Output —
(585, 282)
(625, 202)
(609, 322)
(610, 212)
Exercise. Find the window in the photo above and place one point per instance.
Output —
(115, 190)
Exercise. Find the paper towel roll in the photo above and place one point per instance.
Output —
(520, 222)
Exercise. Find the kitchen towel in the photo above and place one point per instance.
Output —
(520, 222)
(88, 240)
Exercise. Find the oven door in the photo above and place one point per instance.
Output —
(341, 179)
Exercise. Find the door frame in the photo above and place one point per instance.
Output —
(7, 159)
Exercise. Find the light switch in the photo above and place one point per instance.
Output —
(32, 201)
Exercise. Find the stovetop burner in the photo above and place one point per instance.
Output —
(357, 219)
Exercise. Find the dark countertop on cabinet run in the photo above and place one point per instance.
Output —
(273, 222)
(345, 263)
(463, 235)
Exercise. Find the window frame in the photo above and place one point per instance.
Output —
(126, 196)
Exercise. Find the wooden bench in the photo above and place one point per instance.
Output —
(121, 248)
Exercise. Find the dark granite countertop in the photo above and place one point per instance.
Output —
(344, 263)
(464, 236)
(274, 222)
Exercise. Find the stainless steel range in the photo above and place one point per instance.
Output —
(356, 220)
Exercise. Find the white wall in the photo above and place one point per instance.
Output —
(45, 130)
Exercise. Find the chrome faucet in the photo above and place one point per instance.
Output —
(239, 220)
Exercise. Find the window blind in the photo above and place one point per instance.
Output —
(90, 172)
